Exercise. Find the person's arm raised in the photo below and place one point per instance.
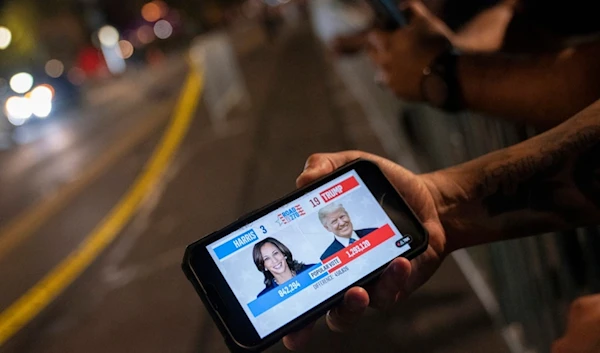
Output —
(549, 182)
(542, 89)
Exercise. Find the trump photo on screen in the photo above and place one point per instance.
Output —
(336, 220)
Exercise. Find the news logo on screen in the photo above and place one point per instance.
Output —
(289, 215)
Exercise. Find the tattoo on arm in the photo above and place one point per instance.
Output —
(546, 181)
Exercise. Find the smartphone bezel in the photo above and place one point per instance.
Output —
(220, 299)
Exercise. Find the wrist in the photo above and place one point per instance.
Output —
(440, 85)
(449, 200)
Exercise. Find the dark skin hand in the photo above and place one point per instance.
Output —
(583, 327)
(484, 33)
(401, 277)
(541, 89)
(550, 182)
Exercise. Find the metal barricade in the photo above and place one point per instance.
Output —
(533, 279)
(525, 284)
(529, 283)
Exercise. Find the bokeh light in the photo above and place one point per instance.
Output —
(5, 37)
(42, 93)
(145, 34)
(18, 110)
(21, 82)
(151, 12)
(54, 68)
(163, 29)
(108, 36)
(126, 48)
(76, 76)
(41, 108)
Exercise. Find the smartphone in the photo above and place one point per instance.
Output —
(388, 15)
(277, 269)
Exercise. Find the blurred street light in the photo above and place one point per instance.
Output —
(109, 38)
(76, 76)
(126, 48)
(42, 93)
(18, 110)
(5, 37)
(163, 29)
(145, 34)
(54, 68)
(151, 12)
(108, 35)
(41, 101)
(21, 82)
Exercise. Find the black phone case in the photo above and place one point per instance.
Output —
(233, 347)
(231, 344)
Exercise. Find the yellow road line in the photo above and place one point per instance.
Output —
(30, 220)
(45, 291)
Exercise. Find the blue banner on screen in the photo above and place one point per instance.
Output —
(284, 291)
(298, 246)
(235, 244)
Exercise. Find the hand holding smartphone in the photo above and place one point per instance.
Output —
(286, 264)
(388, 15)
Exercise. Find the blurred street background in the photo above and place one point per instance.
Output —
(129, 129)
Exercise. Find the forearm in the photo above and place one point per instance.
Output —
(486, 31)
(540, 89)
(550, 182)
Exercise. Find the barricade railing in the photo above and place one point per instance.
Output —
(533, 280)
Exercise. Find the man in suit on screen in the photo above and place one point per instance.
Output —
(337, 221)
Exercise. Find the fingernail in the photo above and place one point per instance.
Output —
(306, 165)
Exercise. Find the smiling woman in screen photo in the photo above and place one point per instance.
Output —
(276, 262)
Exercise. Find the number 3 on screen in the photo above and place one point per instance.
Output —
(264, 230)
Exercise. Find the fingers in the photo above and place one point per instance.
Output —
(345, 315)
(378, 41)
(320, 164)
(560, 346)
(390, 286)
(426, 21)
(378, 45)
(340, 318)
(298, 339)
(418, 10)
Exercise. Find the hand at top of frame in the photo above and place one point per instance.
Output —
(401, 56)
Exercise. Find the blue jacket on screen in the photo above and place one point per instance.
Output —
(337, 246)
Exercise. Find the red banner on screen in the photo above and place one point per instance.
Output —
(339, 189)
(360, 247)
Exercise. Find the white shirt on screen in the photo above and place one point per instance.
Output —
(346, 241)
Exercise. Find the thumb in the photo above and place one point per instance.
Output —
(320, 164)
(417, 11)
(422, 17)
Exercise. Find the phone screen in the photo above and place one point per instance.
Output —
(301, 254)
